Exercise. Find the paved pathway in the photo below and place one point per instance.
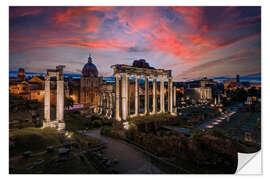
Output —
(131, 161)
(218, 121)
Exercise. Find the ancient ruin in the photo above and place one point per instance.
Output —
(141, 70)
(59, 122)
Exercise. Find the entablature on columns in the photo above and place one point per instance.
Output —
(120, 69)
(58, 72)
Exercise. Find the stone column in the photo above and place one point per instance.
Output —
(154, 95)
(111, 100)
(146, 95)
(117, 98)
(47, 99)
(170, 94)
(124, 94)
(136, 96)
(108, 100)
(60, 101)
(174, 96)
(162, 109)
(128, 95)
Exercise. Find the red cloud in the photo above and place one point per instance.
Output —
(18, 11)
(79, 26)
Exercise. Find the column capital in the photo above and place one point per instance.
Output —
(161, 76)
(137, 76)
(47, 78)
(146, 76)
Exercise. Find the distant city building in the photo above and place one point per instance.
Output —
(232, 84)
(33, 88)
(21, 74)
(86, 89)
(199, 94)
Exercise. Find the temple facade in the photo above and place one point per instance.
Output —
(141, 69)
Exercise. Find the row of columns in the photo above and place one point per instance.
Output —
(107, 98)
(125, 96)
(105, 104)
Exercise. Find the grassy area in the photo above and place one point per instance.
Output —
(151, 118)
(33, 139)
(51, 165)
(75, 121)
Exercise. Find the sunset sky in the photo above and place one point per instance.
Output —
(192, 41)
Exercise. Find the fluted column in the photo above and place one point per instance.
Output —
(146, 95)
(174, 96)
(111, 100)
(108, 100)
(47, 105)
(170, 94)
(117, 98)
(162, 109)
(124, 94)
(154, 95)
(60, 101)
(136, 96)
(128, 95)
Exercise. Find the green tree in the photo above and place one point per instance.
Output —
(68, 102)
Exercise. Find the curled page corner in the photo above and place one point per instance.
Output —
(249, 163)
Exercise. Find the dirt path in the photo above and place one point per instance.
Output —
(130, 160)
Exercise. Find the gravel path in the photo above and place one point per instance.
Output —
(130, 160)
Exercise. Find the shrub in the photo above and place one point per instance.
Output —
(131, 132)
(198, 133)
(106, 131)
(217, 133)
(97, 123)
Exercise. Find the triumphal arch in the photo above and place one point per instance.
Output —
(123, 73)
(59, 122)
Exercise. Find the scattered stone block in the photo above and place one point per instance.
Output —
(50, 149)
(63, 152)
(27, 154)
(39, 161)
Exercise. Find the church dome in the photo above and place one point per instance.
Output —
(89, 69)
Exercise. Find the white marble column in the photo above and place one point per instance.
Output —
(117, 98)
(108, 100)
(170, 95)
(60, 101)
(174, 96)
(154, 95)
(128, 95)
(162, 108)
(124, 94)
(146, 95)
(47, 100)
(137, 96)
(111, 100)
